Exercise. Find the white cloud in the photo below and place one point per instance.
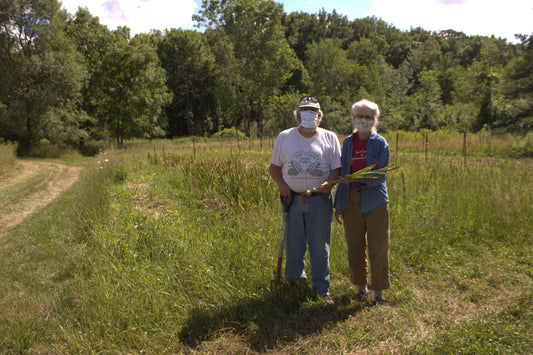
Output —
(114, 11)
(473, 17)
(139, 15)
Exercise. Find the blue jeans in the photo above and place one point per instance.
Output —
(309, 224)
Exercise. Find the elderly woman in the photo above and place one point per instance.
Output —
(363, 204)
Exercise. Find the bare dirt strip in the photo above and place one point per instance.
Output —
(56, 179)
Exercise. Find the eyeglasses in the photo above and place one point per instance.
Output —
(363, 116)
(308, 100)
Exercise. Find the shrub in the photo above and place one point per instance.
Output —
(90, 149)
(228, 133)
(522, 148)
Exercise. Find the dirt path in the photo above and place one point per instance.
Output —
(31, 186)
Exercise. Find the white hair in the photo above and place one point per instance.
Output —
(372, 106)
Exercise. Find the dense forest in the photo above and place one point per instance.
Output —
(67, 78)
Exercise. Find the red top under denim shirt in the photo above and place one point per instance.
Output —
(374, 192)
(358, 155)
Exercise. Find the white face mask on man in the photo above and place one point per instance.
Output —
(309, 119)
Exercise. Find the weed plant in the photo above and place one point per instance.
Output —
(170, 247)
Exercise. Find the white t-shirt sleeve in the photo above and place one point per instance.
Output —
(335, 152)
(277, 153)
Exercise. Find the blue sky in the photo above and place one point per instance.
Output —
(353, 9)
(474, 17)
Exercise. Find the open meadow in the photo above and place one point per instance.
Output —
(168, 247)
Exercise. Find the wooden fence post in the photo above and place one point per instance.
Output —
(426, 143)
(464, 146)
(396, 157)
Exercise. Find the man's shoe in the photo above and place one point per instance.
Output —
(328, 299)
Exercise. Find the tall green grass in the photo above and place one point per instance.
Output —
(453, 143)
(170, 247)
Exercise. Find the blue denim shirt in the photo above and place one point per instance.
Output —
(374, 192)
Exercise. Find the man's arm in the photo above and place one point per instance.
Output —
(277, 174)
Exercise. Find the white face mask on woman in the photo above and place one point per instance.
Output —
(309, 119)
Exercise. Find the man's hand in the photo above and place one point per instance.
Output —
(284, 189)
(325, 188)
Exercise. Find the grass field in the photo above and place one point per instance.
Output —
(170, 247)
(7, 158)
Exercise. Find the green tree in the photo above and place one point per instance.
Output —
(428, 104)
(260, 60)
(366, 50)
(210, 13)
(40, 74)
(516, 112)
(280, 109)
(301, 29)
(329, 69)
(131, 88)
(125, 88)
(365, 27)
(191, 77)
(93, 41)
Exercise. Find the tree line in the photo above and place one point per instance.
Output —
(67, 78)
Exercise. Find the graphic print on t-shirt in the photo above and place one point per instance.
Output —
(358, 159)
(305, 164)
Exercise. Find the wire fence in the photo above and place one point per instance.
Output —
(429, 144)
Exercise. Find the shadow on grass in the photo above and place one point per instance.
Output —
(269, 320)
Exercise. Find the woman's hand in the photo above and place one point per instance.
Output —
(339, 216)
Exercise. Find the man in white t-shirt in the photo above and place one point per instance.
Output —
(306, 157)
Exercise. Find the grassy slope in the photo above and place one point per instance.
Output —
(163, 252)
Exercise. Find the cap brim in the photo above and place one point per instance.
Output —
(310, 105)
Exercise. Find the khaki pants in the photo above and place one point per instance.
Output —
(367, 230)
